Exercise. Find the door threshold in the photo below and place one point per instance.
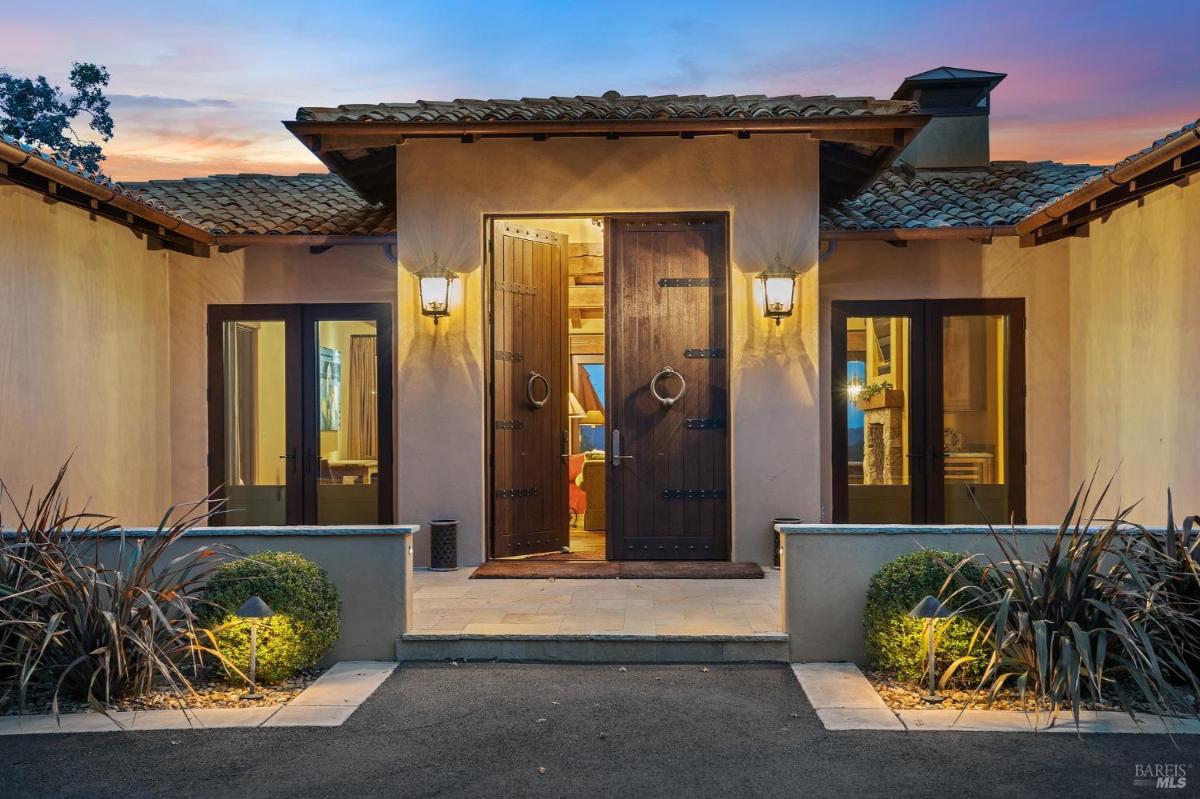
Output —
(617, 570)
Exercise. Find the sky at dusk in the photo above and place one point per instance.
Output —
(200, 88)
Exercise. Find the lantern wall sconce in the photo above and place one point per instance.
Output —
(435, 290)
(778, 286)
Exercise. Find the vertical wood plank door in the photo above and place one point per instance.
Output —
(529, 390)
(668, 456)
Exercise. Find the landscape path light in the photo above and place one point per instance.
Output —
(931, 610)
(255, 610)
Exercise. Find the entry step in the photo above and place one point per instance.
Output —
(595, 648)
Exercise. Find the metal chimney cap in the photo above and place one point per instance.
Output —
(930, 608)
(255, 608)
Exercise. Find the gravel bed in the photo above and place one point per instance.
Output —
(902, 695)
(208, 691)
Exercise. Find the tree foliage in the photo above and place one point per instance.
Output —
(40, 114)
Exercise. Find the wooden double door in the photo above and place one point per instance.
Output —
(300, 414)
(666, 427)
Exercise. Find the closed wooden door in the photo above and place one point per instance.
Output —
(668, 389)
(529, 390)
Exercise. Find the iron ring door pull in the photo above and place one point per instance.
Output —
(533, 378)
(667, 402)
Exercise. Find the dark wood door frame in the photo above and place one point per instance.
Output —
(381, 314)
(300, 354)
(218, 315)
(839, 313)
(1015, 464)
(925, 403)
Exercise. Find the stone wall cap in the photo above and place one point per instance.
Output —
(311, 531)
(923, 529)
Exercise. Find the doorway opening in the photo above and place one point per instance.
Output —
(928, 401)
(608, 382)
(299, 410)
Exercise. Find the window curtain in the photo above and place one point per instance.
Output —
(362, 422)
(241, 404)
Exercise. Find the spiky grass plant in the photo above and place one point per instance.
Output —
(89, 612)
(1084, 621)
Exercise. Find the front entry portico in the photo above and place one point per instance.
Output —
(608, 387)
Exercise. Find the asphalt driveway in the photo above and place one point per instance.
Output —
(488, 730)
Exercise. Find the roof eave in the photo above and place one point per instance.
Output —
(1124, 174)
(103, 200)
(398, 131)
(974, 233)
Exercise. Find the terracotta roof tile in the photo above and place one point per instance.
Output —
(302, 205)
(1192, 128)
(1001, 194)
(52, 157)
(611, 106)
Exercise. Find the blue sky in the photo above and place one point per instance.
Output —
(201, 87)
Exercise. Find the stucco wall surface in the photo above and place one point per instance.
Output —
(1135, 402)
(768, 185)
(84, 358)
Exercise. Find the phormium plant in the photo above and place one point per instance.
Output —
(89, 611)
(1087, 620)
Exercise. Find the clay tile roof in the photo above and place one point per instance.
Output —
(1192, 128)
(98, 179)
(610, 106)
(1001, 194)
(306, 204)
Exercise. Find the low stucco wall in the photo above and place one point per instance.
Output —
(827, 568)
(371, 567)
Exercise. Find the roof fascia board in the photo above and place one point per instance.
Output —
(919, 234)
(380, 131)
(299, 240)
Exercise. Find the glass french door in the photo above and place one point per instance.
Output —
(300, 414)
(928, 412)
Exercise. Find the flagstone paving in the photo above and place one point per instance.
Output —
(451, 602)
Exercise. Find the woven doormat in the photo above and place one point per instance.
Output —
(613, 569)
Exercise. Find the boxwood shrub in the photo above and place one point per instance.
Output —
(896, 642)
(307, 620)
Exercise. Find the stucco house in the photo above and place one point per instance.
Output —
(626, 327)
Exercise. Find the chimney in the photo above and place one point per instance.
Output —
(959, 101)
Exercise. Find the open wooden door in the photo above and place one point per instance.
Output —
(668, 379)
(529, 390)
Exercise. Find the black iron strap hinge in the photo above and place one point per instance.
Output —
(698, 352)
(515, 493)
(688, 282)
(694, 493)
(704, 424)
